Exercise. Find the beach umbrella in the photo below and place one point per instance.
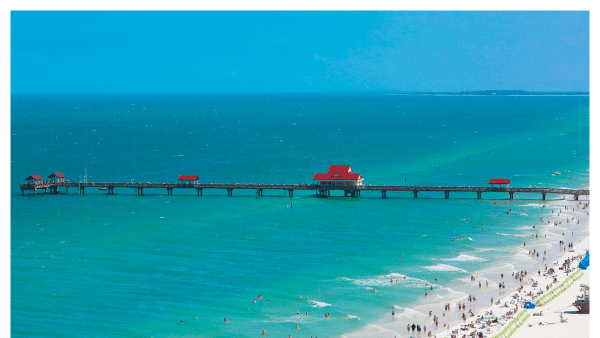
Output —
(529, 305)
(585, 262)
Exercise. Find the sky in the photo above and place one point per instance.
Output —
(298, 51)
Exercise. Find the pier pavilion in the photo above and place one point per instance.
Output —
(339, 177)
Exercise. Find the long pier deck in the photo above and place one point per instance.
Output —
(321, 190)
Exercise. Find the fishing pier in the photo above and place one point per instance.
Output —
(339, 178)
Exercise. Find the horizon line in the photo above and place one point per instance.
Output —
(503, 92)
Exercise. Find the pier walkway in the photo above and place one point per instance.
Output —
(322, 190)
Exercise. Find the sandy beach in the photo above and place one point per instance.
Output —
(567, 222)
(534, 286)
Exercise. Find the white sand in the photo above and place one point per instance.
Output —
(577, 325)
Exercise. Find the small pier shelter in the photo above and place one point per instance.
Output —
(188, 179)
(56, 177)
(33, 178)
(499, 182)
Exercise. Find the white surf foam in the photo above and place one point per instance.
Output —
(384, 280)
(352, 317)
(301, 318)
(464, 258)
(318, 304)
(445, 268)
(514, 235)
(409, 313)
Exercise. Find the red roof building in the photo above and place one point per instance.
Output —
(499, 182)
(338, 175)
(33, 178)
(57, 177)
(188, 178)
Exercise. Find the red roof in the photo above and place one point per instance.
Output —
(34, 177)
(59, 175)
(338, 172)
(499, 181)
(188, 177)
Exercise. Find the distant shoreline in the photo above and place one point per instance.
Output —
(489, 94)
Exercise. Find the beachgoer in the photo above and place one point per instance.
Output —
(297, 327)
(181, 322)
(225, 320)
(263, 332)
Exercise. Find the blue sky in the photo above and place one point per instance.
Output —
(346, 51)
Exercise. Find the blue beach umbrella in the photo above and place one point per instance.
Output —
(529, 305)
(585, 262)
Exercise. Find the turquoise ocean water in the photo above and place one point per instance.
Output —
(137, 266)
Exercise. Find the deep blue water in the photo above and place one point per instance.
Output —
(137, 266)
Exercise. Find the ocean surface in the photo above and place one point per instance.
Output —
(180, 266)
